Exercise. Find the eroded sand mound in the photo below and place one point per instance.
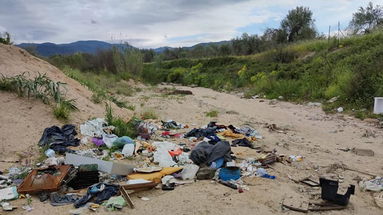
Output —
(23, 120)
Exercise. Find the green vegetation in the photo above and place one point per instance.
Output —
(310, 70)
(41, 87)
(103, 85)
(148, 114)
(122, 128)
(212, 113)
(5, 38)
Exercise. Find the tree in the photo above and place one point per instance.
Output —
(299, 24)
(5, 38)
(366, 19)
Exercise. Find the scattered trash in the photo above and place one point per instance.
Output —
(7, 206)
(115, 203)
(330, 192)
(340, 109)
(105, 166)
(375, 185)
(314, 104)
(59, 139)
(145, 198)
(58, 199)
(99, 192)
(228, 174)
(45, 179)
(333, 99)
(261, 172)
(295, 158)
(8, 193)
(50, 153)
(189, 171)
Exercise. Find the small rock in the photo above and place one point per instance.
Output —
(280, 97)
(339, 109)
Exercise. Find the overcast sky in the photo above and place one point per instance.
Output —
(155, 23)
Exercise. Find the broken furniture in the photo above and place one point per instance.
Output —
(135, 188)
(46, 179)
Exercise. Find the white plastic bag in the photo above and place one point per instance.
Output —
(128, 150)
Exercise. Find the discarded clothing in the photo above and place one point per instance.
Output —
(205, 153)
(97, 141)
(8, 193)
(206, 173)
(171, 124)
(59, 139)
(94, 128)
(215, 126)
(117, 202)
(200, 132)
(242, 142)
(375, 185)
(248, 132)
(58, 199)
(146, 129)
(100, 192)
(230, 133)
(121, 141)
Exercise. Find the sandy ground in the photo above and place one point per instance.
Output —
(22, 120)
(310, 133)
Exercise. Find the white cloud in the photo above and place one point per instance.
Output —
(152, 23)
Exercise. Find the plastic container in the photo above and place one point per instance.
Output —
(378, 105)
(227, 174)
(128, 150)
(50, 153)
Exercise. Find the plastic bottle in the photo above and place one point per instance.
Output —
(261, 172)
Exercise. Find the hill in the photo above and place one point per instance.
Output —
(23, 120)
(89, 47)
(316, 70)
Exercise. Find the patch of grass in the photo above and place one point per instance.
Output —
(148, 114)
(212, 113)
(121, 104)
(43, 88)
(122, 128)
(63, 109)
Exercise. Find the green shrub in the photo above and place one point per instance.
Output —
(148, 114)
(212, 113)
(122, 128)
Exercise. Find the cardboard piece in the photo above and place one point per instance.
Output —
(104, 166)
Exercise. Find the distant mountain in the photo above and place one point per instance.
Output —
(162, 49)
(89, 46)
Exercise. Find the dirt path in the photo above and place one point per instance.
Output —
(309, 132)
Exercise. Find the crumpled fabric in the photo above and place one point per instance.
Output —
(205, 153)
(375, 185)
(171, 124)
(117, 202)
(58, 199)
(242, 142)
(162, 156)
(121, 141)
(200, 132)
(100, 192)
(230, 133)
(249, 132)
(58, 139)
(93, 128)
(146, 129)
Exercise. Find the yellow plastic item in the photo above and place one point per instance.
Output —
(155, 176)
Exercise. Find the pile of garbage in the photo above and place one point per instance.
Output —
(98, 169)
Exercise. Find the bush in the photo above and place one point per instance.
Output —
(122, 128)
(149, 114)
(212, 113)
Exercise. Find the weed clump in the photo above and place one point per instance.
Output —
(212, 113)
